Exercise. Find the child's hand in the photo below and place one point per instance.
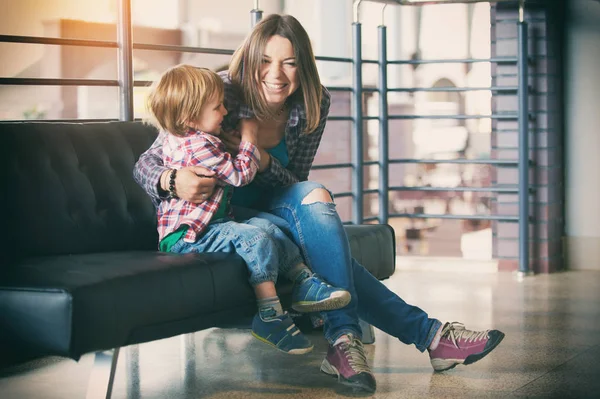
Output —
(249, 130)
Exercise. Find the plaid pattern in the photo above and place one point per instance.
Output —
(202, 149)
(302, 147)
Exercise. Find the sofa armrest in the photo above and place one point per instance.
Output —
(374, 247)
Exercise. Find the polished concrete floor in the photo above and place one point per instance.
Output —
(551, 349)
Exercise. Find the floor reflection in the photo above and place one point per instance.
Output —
(551, 348)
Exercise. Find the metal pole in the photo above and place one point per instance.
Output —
(357, 158)
(523, 85)
(132, 361)
(383, 128)
(125, 60)
(255, 14)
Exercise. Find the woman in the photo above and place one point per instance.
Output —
(273, 77)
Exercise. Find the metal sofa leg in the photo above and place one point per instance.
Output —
(132, 362)
(188, 361)
(103, 374)
(368, 333)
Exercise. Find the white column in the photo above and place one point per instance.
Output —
(397, 38)
(582, 139)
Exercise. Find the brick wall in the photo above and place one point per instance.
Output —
(544, 20)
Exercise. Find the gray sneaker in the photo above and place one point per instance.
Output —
(347, 362)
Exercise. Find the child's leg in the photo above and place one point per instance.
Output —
(271, 325)
(275, 327)
(310, 293)
(267, 300)
(288, 252)
(251, 243)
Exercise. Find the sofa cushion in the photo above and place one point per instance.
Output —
(71, 188)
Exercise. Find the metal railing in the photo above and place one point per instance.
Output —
(125, 83)
(522, 116)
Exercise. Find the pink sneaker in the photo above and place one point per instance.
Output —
(347, 362)
(461, 346)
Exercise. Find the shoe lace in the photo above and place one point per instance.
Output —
(456, 331)
(321, 281)
(355, 353)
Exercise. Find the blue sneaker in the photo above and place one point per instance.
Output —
(315, 295)
(281, 333)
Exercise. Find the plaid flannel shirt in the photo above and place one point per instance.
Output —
(302, 147)
(202, 149)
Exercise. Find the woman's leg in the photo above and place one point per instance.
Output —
(318, 230)
(310, 293)
(379, 306)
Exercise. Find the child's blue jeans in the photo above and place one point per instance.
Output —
(266, 250)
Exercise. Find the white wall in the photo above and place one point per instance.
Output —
(583, 134)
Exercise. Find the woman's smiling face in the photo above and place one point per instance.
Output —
(279, 71)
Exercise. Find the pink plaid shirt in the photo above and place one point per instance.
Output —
(203, 149)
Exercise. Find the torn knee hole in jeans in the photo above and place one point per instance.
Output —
(318, 195)
(323, 197)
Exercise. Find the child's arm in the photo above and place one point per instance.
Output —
(237, 171)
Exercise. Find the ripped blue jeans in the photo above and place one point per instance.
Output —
(317, 229)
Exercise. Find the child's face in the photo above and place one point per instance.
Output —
(211, 116)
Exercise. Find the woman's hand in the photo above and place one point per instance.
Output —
(193, 183)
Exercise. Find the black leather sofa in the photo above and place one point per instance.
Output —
(79, 267)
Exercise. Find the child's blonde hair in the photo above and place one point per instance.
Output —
(177, 97)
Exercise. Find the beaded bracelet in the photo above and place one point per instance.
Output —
(172, 176)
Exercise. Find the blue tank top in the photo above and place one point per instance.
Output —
(250, 196)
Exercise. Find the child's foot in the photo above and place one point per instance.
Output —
(461, 346)
(281, 333)
(315, 295)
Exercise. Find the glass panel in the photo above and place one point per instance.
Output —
(58, 62)
(442, 237)
(55, 102)
(344, 208)
(149, 65)
(63, 18)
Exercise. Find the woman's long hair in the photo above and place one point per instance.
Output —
(247, 60)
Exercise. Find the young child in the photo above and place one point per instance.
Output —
(187, 103)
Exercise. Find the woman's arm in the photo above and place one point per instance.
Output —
(304, 154)
(149, 168)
